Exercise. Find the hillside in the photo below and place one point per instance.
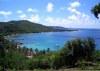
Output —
(63, 28)
(24, 26)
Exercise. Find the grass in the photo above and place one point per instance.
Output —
(70, 69)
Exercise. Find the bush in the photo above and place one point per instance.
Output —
(77, 49)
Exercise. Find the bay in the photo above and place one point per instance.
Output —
(54, 40)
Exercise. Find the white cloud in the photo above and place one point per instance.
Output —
(73, 10)
(72, 7)
(51, 21)
(50, 7)
(99, 16)
(73, 21)
(75, 4)
(5, 13)
(32, 18)
(32, 10)
(82, 19)
(78, 19)
(23, 16)
(72, 17)
(19, 11)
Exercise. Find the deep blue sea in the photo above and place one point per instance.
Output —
(54, 40)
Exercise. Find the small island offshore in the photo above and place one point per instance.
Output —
(29, 46)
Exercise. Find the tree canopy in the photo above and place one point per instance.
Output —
(96, 10)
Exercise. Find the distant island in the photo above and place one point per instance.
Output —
(24, 26)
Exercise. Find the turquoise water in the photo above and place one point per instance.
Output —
(54, 40)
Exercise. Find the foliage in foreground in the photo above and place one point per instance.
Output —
(74, 53)
(96, 10)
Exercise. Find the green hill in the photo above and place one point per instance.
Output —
(24, 26)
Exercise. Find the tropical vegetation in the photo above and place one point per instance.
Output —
(96, 10)
(75, 53)
(24, 26)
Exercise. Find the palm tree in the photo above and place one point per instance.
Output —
(96, 10)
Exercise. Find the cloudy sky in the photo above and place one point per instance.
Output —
(66, 13)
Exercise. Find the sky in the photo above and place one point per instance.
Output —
(65, 13)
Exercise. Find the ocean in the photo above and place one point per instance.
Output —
(54, 40)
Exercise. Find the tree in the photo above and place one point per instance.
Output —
(89, 48)
(36, 51)
(76, 50)
(96, 10)
(3, 53)
(48, 50)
